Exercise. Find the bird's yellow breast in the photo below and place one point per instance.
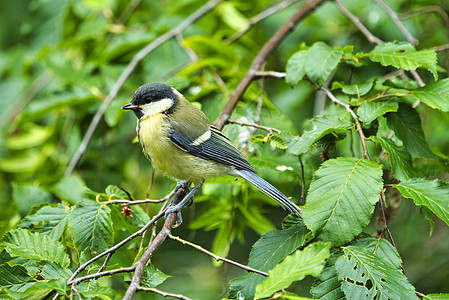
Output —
(153, 134)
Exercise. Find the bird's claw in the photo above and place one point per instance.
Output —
(172, 209)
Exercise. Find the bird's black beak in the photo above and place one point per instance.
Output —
(131, 106)
(137, 110)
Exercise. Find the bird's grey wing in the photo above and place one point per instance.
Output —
(211, 145)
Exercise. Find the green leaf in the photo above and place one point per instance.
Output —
(341, 198)
(231, 16)
(434, 94)
(15, 278)
(115, 193)
(93, 290)
(295, 267)
(206, 47)
(91, 226)
(321, 61)
(222, 242)
(369, 111)
(428, 216)
(406, 124)
(23, 162)
(354, 89)
(441, 296)
(258, 138)
(49, 220)
(124, 44)
(40, 107)
(322, 125)
(55, 271)
(291, 220)
(403, 55)
(372, 271)
(25, 244)
(277, 141)
(400, 159)
(30, 137)
(432, 194)
(271, 248)
(153, 277)
(327, 286)
(70, 189)
(296, 67)
(26, 196)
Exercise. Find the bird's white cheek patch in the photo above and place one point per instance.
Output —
(157, 107)
(202, 138)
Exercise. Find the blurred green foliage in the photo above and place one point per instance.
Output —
(59, 60)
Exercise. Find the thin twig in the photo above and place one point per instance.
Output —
(303, 181)
(262, 56)
(8, 114)
(275, 74)
(162, 293)
(428, 9)
(128, 71)
(105, 263)
(354, 116)
(269, 129)
(154, 245)
(398, 22)
(384, 218)
(102, 274)
(76, 292)
(441, 48)
(371, 37)
(150, 185)
(134, 202)
(128, 11)
(216, 257)
(260, 102)
(259, 17)
(115, 247)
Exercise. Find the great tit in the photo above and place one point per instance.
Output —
(181, 142)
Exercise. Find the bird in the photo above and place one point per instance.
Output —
(181, 142)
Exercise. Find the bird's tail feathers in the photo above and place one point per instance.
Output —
(269, 190)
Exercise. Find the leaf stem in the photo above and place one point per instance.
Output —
(354, 116)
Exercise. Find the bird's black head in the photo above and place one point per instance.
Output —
(148, 95)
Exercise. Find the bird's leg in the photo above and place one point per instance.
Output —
(177, 207)
(185, 185)
(181, 184)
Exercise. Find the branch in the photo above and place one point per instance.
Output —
(434, 8)
(262, 74)
(354, 116)
(384, 218)
(216, 257)
(101, 274)
(269, 129)
(162, 293)
(261, 57)
(115, 247)
(139, 266)
(259, 17)
(127, 72)
(441, 48)
(398, 22)
(371, 37)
